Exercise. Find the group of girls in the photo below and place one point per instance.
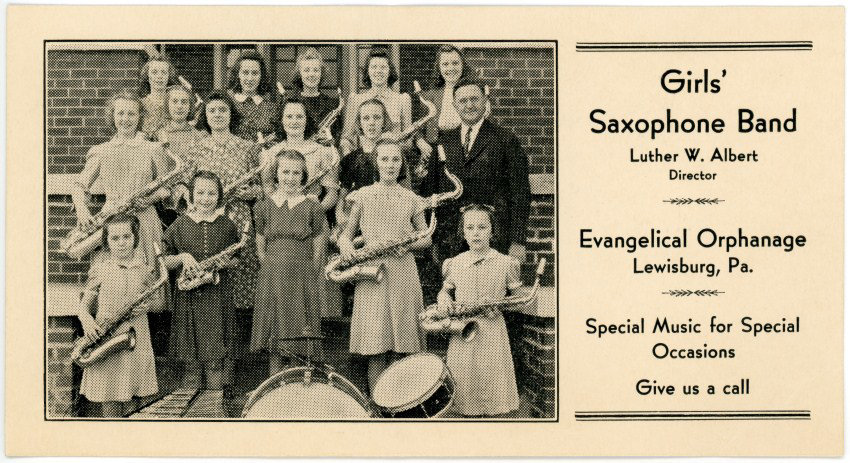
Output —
(363, 184)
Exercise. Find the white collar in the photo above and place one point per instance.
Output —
(475, 128)
(468, 258)
(290, 201)
(197, 219)
(241, 97)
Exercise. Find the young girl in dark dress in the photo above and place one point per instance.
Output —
(199, 331)
(291, 245)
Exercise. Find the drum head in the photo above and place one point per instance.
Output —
(313, 401)
(408, 381)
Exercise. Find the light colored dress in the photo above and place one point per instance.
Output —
(385, 314)
(483, 368)
(398, 108)
(288, 298)
(129, 373)
(123, 167)
(155, 115)
(180, 138)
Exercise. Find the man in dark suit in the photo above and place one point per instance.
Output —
(490, 162)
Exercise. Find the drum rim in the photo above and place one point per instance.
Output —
(327, 378)
(400, 408)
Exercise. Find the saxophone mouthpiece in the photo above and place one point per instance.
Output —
(541, 265)
(339, 92)
(156, 250)
(487, 90)
(260, 138)
(416, 87)
(280, 88)
(441, 153)
(184, 83)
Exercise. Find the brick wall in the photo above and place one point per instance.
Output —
(536, 356)
(522, 92)
(63, 379)
(195, 63)
(78, 84)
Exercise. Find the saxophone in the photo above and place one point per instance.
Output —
(415, 126)
(323, 134)
(210, 266)
(85, 237)
(340, 269)
(87, 352)
(460, 319)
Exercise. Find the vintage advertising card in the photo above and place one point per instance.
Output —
(425, 231)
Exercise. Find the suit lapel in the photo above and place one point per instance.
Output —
(481, 141)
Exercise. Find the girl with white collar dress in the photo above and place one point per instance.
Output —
(291, 245)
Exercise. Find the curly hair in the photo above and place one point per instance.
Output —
(235, 117)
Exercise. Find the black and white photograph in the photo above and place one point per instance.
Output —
(300, 230)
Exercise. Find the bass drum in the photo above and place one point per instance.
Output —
(307, 393)
(417, 386)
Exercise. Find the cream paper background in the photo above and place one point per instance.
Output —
(797, 188)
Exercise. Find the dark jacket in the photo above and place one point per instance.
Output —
(495, 173)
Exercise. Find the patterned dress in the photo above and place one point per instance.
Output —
(483, 368)
(231, 159)
(122, 167)
(260, 113)
(385, 313)
(129, 373)
(199, 327)
(288, 287)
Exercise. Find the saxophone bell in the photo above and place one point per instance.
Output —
(85, 356)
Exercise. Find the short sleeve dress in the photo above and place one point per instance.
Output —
(385, 313)
(288, 300)
(128, 373)
(123, 167)
(259, 113)
(199, 330)
(230, 159)
(483, 369)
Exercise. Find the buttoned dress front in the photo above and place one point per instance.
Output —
(199, 327)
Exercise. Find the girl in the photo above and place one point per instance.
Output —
(384, 318)
(306, 82)
(359, 169)
(180, 136)
(230, 157)
(113, 282)
(450, 66)
(295, 127)
(379, 75)
(291, 243)
(122, 166)
(156, 75)
(482, 368)
(251, 91)
(199, 331)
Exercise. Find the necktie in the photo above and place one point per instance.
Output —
(468, 143)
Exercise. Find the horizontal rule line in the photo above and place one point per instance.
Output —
(693, 415)
(700, 419)
(693, 46)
